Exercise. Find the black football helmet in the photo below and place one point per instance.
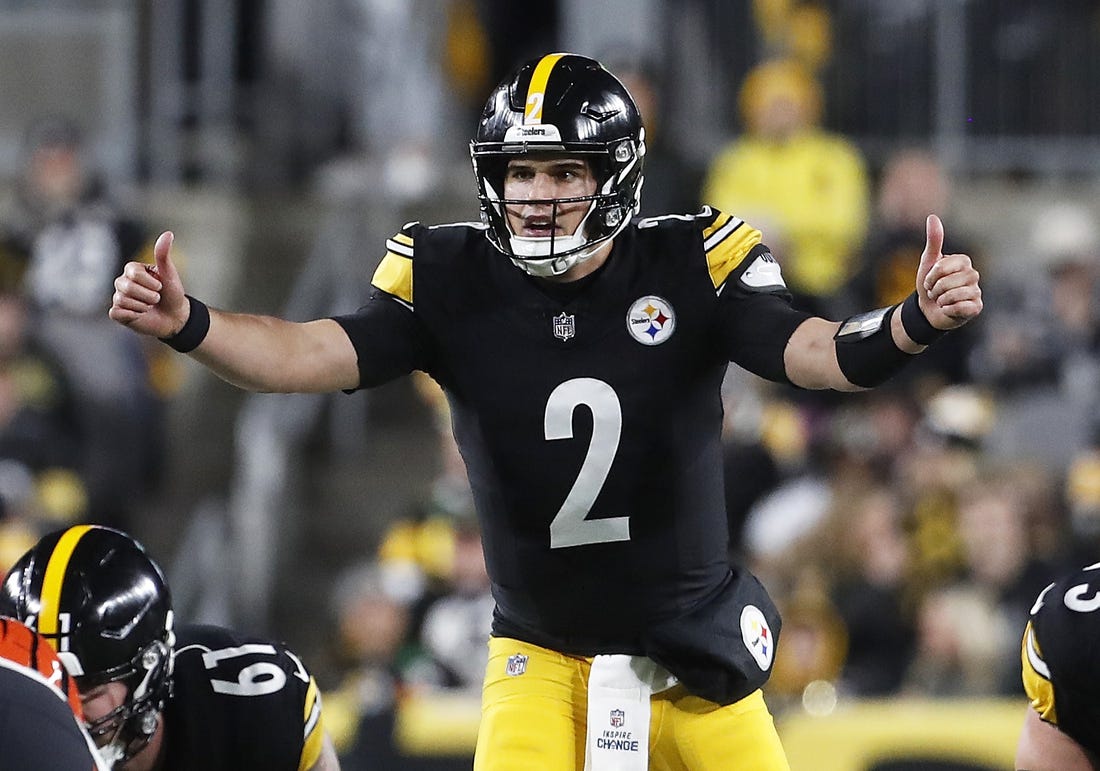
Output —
(99, 599)
(565, 104)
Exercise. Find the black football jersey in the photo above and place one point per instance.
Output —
(39, 729)
(588, 413)
(239, 704)
(1061, 670)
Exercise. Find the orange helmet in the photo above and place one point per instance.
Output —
(21, 645)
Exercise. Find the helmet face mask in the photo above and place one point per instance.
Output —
(561, 105)
(125, 730)
(104, 605)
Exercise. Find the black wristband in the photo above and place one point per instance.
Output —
(194, 329)
(865, 349)
(916, 325)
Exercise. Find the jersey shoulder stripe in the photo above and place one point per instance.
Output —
(727, 241)
(313, 731)
(394, 274)
(1036, 677)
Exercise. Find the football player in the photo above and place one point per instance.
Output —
(155, 696)
(582, 352)
(1062, 677)
(41, 720)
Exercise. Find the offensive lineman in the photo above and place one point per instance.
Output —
(155, 696)
(1061, 675)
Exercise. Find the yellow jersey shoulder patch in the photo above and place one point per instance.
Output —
(1036, 676)
(394, 274)
(727, 240)
(313, 729)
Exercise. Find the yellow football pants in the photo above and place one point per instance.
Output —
(535, 718)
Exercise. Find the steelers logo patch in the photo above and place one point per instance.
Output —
(757, 636)
(650, 320)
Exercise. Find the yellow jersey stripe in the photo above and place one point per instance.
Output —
(395, 276)
(536, 89)
(713, 227)
(314, 733)
(402, 238)
(727, 246)
(1036, 677)
(48, 616)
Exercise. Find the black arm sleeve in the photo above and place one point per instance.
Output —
(389, 339)
(756, 327)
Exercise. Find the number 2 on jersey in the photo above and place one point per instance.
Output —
(570, 526)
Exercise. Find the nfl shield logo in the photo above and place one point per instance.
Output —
(564, 328)
(517, 665)
(617, 718)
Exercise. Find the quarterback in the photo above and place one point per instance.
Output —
(582, 350)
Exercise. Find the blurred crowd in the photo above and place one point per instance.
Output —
(81, 402)
(904, 532)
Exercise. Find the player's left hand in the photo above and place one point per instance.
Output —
(947, 284)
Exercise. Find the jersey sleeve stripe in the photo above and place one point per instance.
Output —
(313, 732)
(394, 275)
(727, 246)
(1036, 677)
(400, 244)
(1033, 656)
(716, 224)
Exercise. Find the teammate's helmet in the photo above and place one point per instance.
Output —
(99, 599)
(560, 103)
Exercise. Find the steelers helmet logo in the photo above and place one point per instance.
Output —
(650, 320)
(757, 636)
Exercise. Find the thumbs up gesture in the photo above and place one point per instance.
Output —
(947, 284)
(149, 299)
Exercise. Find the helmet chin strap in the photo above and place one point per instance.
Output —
(559, 253)
(112, 754)
(553, 266)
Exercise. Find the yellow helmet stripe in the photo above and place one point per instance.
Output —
(536, 90)
(48, 616)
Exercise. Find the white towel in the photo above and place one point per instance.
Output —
(619, 688)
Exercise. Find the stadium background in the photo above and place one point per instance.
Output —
(284, 141)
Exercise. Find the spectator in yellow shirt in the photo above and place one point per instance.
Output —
(808, 187)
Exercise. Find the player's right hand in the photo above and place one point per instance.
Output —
(149, 298)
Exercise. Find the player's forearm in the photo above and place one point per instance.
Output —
(267, 354)
(811, 358)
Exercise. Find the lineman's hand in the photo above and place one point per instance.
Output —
(149, 298)
(947, 284)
